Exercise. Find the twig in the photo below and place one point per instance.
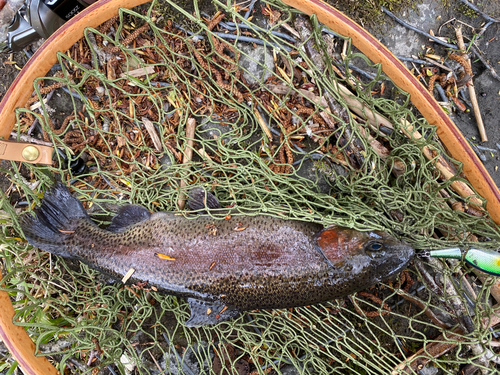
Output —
(101, 54)
(155, 361)
(411, 59)
(483, 29)
(441, 345)
(27, 138)
(262, 123)
(426, 309)
(423, 62)
(487, 280)
(383, 152)
(74, 94)
(180, 362)
(443, 24)
(442, 94)
(482, 148)
(427, 35)
(235, 26)
(304, 29)
(472, 91)
(376, 120)
(57, 346)
(442, 165)
(444, 67)
(452, 298)
(188, 155)
(250, 8)
(242, 38)
(128, 275)
(462, 314)
(367, 75)
(476, 9)
(352, 145)
(485, 62)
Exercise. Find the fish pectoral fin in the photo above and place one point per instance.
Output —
(128, 215)
(201, 200)
(209, 312)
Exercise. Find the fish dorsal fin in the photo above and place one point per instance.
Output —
(201, 200)
(128, 215)
(205, 312)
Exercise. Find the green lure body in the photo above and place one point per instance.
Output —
(484, 260)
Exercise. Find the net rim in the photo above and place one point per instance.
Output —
(15, 337)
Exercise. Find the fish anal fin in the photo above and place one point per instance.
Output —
(204, 312)
(128, 215)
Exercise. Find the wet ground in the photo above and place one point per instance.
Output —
(431, 15)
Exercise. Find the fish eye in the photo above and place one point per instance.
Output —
(375, 246)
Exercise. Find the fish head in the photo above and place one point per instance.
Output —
(368, 257)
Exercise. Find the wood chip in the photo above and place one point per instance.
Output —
(153, 134)
(163, 256)
(188, 155)
(121, 141)
(290, 29)
(279, 89)
(262, 124)
(204, 154)
(111, 72)
(139, 72)
(37, 105)
(128, 275)
(330, 121)
(224, 309)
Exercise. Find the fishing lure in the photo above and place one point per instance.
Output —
(484, 260)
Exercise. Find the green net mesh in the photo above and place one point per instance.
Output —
(262, 143)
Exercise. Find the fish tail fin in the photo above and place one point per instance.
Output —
(53, 222)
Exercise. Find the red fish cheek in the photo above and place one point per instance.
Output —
(337, 245)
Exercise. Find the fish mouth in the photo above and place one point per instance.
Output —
(406, 254)
(410, 252)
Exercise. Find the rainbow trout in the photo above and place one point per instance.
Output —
(222, 266)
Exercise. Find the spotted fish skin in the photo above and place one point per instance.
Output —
(242, 263)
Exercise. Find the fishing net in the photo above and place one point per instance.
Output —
(264, 142)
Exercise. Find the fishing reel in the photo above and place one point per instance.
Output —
(39, 19)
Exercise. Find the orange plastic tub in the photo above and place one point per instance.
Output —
(15, 337)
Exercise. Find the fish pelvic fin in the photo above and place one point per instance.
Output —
(55, 219)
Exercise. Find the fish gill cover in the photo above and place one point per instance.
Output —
(262, 143)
